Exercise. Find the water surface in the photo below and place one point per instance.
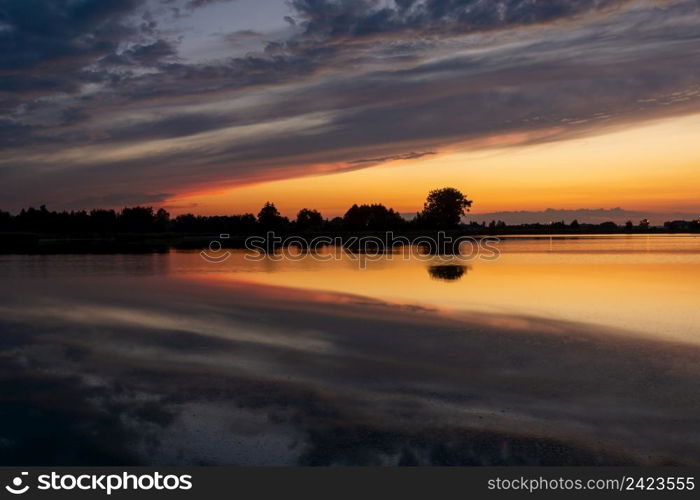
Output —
(562, 351)
(644, 283)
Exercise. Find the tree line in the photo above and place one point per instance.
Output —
(443, 209)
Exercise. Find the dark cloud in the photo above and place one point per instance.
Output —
(48, 48)
(119, 199)
(60, 33)
(195, 4)
(13, 134)
(360, 18)
(174, 126)
(354, 84)
(152, 53)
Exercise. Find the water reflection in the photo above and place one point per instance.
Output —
(184, 364)
(646, 285)
(447, 272)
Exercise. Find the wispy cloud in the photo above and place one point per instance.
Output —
(94, 97)
(384, 159)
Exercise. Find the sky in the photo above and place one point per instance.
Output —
(582, 107)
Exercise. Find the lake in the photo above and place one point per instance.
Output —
(560, 351)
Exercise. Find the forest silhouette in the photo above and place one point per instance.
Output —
(443, 209)
(147, 228)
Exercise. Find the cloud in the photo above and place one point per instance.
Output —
(353, 84)
(384, 159)
(63, 34)
(120, 199)
(195, 4)
(152, 53)
(242, 34)
(353, 18)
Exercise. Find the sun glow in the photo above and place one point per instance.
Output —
(653, 166)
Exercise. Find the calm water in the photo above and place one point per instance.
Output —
(562, 351)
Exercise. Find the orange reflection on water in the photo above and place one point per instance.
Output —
(647, 285)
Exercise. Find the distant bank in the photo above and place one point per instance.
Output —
(160, 242)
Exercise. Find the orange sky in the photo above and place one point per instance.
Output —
(221, 95)
(651, 166)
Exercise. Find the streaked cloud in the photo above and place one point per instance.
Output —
(98, 98)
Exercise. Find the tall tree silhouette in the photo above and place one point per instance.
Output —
(269, 217)
(443, 208)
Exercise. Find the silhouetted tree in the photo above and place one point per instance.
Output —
(335, 224)
(355, 218)
(269, 217)
(244, 223)
(444, 208)
(575, 224)
(162, 219)
(103, 221)
(40, 220)
(308, 219)
(558, 226)
(137, 220)
(372, 218)
(186, 223)
(629, 225)
(644, 224)
(233, 224)
(129, 220)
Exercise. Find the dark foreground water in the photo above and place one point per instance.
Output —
(582, 351)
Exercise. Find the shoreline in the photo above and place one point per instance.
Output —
(49, 243)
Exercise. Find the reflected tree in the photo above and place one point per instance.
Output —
(447, 272)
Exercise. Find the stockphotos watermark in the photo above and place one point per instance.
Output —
(360, 249)
(99, 483)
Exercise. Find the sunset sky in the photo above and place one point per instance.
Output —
(215, 106)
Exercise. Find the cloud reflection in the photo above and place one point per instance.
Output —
(115, 372)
